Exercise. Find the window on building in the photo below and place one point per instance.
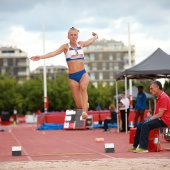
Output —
(110, 66)
(2, 70)
(126, 55)
(49, 70)
(92, 76)
(111, 75)
(100, 57)
(22, 71)
(41, 70)
(21, 63)
(126, 62)
(110, 57)
(92, 57)
(94, 66)
(100, 76)
(104, 66)
(8, 51)
(86, 57)
(5, 62)
(116, 64)
(116, 67)
(86, 67)
(118, 56)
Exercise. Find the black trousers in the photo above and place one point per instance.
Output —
(123, 117)
(106, 121)
(143, 130)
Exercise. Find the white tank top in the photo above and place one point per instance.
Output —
(75, 53)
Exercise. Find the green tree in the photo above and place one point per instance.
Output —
(9, 96)
(59, 93)
(32, 93)
(28, 96)
(167, 87)
(93, 96)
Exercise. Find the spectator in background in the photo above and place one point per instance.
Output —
(140, 105)
(15, 116)
(138, 131)
(161, 118)
(38, 112)
(111, 119)
(124, 106)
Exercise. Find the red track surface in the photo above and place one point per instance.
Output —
(66, 144)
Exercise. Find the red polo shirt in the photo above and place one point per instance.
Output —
(163, 102)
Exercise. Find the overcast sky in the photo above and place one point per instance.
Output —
(21, 24)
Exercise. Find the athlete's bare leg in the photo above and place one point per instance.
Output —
(83, 89)
(75, 88)
(79, 91)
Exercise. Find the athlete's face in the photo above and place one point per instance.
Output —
(73, 35)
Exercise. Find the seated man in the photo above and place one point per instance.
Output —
(161, 118)
(111, 119)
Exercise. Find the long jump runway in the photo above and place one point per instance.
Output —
(38, 145)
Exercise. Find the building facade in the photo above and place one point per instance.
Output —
(14, 62)
(51, 71)
(105, 58)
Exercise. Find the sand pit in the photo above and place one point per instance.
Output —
(103, 164)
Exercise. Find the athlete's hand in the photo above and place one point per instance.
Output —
(94, 34)
(35, 58)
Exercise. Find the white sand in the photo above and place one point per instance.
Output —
(103, 164)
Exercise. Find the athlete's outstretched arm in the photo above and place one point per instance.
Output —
(90, 41)
(50, 54)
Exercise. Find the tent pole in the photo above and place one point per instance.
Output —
(130, 65)
(117, 108)
(130, 93)
(125, 107)
(130, 81)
